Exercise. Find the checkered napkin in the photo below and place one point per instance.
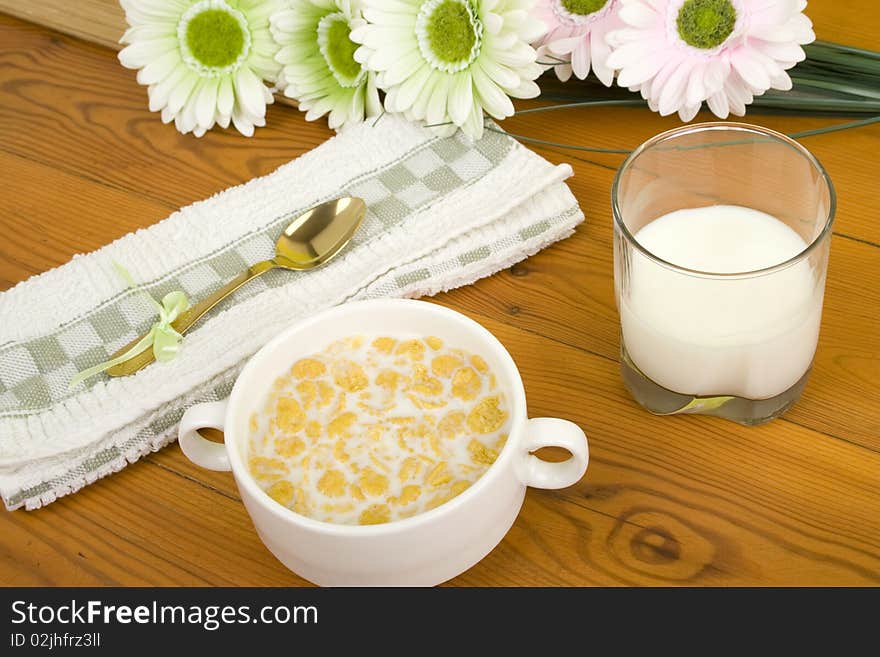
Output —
(442, 212)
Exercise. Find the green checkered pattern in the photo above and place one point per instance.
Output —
(162, 425)
(35, 375)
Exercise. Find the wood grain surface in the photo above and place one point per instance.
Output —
(678, 500)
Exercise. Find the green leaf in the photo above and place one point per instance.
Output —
(699, 404)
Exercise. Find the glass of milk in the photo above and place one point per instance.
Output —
(721, 237)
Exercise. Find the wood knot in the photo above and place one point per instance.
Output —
(654, 545)
(662, 546)
(519, 270)
(599, 492)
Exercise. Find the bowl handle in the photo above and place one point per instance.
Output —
(553, 432)
(197, 449)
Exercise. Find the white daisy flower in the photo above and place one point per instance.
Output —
(203, 61)
(679, 53)
(445, 61)
(319, 69)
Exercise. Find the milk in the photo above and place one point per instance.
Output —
(748, 337)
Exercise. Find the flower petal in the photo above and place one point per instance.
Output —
(638, 72)
(373, 107)
(159, 93)
(492, 22)
(634, 54)
(402, 68)
(248, 92)
(141, 53)
(419, 108)
(473, 125)
(491, 97)
(782, 52)
(436, 110)
(501, 75)
(564, 46)
(186, 118)
(688, 112)
(638, 15)
(563, 72)
(526, 89)
(580, 60)
(718, 104)
(520, 55)
(599, 51)
(181, 92)
(781, 82)
(206, 103)
(461, 98)
(408, 91)
(672, 96)
(696, 90)
(225, 96)
(167, 115)
(158, 69)
(356, 107)
(715, 73)
(750, 68)
(241, 122)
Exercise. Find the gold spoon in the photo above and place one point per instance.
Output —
(311, 240)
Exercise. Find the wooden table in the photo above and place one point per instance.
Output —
(678, 500)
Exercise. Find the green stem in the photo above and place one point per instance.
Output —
(585, 103)
(833, 85)
(834, 128)
(619, 151)
(544, 142)
(828, 47)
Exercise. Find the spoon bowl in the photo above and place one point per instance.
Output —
(317, 235)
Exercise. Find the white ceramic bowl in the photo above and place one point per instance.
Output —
(425, 549)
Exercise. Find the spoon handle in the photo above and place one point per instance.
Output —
(188, 318)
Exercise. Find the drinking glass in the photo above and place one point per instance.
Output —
(734, 344)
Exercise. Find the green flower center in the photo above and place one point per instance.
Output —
(449, 34)
(214, 37)
(583, 7)
(338, 49)
(706, 23)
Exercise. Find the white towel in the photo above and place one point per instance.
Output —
(442, 212)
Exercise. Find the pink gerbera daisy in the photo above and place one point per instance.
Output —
(680, 53)
(576, 36)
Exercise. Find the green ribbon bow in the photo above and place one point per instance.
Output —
(163, 338)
